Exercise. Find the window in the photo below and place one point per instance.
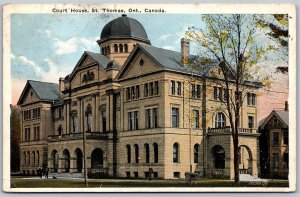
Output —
(130, 121)
(137, 89)
(128, 95)
(285, 160)
(59, 130)
(59, 113)
(172, 86)
(275, 138)
(126, 48)
(195, 124)
(250, 122)
(36, 133)
(275, 160)
(218, 93)
(193, 91)
(136, 120)
(155, 118)
(147, 153)
(74, 124)
(136, 174)
(133, 93)
(196, 153)
(146, 90)
(177, 175)
(178, 88)
(103, 114)
(198, 92)
(156, 88)
(220, 121)
(108, 49)
(89, 120)
(148, 118)
(128, 174)
(155, 150)
(175, 153)
(285, 138)
(116, 48)
(151, 89)
(251, 99)
(175, 117)
(136, 151)
(34, 113)
(128, 153)
(27, 135)
(121, 48)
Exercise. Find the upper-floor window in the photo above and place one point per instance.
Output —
(36, 132)
(137, 91)
(151, 89)
(26, 134)
(251, 99)
(178, 88)
(59, 113)
(285, 137)
(218, 93)
(220, 120)
(275, 160)
(103, 114)
(156, 88)
(126, 48)
(250, 122)
(116, 48)
(275, 138)
(195, 123)
(133, 120)
(172, 86)
(26, 114)
(146, 90)
(195, 91)
(74, 123)
(175, 117)
(121, 48)
(151, 117)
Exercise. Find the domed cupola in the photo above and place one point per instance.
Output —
(119, 37)
(124, 27)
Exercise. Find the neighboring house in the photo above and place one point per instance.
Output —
(139, 114)
(274, 144)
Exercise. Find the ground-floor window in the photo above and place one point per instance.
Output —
(177, 175)
(136, 174)
(128, 174)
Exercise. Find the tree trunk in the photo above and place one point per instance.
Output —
(236, 157)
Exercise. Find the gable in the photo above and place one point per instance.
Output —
(29, 96)
(138, 65)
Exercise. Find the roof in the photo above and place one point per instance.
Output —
(282, 115)
(99, 58)
(44, 90)
(124, 27)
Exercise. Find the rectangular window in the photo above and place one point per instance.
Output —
(172, 87)
(34, 113)
(38, 132)
(275, 139)
(215, 93)
(195, 124)
(175, 117)
(136, 174)
(156, 88)
(285, 160)
(146, 90)
(251, 99)
(178, 88)
(130, 121)
(38, 112)
(155, 118)
(193, 91)
(103, 114)
(285, 138)
(136, 120)
(133, 93)
(148, 118)
(128, 174)
(127, 94)
(220, 94)
(176, 175)
(34, 133)
(250, 122)
(137, 89)
(198, 92)
(275, 160)
(151, 88)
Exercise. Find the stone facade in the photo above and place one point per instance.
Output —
(135, 115)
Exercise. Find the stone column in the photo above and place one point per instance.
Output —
(97, 117)
(68, 117)
(72, 165)
(79, 115)
(60, 165)
(94, 115)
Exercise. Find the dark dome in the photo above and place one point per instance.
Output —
(124, 27)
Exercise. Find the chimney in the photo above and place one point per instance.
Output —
(286, 106)
(61, 84)
(185, 51)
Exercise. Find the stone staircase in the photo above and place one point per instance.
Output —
(66, 175)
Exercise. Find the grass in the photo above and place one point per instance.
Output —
(18, 183)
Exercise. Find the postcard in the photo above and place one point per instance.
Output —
(149, 98)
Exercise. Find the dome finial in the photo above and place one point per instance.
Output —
(124, 15)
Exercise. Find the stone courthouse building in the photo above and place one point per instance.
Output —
(131, 111)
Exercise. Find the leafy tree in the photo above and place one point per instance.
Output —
(231, 40)
(15, 136)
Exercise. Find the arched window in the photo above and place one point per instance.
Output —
(126, 48)
(97, 159)
(105, 50)
(128, 149)
(38, 157)
(102, 51)
(33, 154)
(59, 130)
(147, 152)
(176, 153)
(136, 151)
(116, 48)
(89, 118)
(196, 153)
(155, 149)
(121, 48)
(108, 49)
(220, 121)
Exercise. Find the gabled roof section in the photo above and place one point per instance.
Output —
(101, 60)
(282, 115)
(45, 91)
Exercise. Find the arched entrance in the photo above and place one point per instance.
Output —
(54, 158)
(79, 157)
(245, 160)
(218, 154)
(66, 157)
(97, 159)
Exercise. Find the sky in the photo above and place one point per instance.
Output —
(45, 47)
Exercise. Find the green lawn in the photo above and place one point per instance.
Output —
(19, 183)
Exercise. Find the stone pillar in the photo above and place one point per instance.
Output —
(68, 117)
(97, 117)
(93, 129)
(60, 165)
(79, 115)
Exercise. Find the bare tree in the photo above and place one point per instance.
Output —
(231, 40)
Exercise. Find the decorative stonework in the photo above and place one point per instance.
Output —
(89, 76)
